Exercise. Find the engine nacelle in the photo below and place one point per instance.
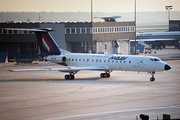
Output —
(56, 58)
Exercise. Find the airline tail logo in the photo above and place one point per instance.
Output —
(45, 43)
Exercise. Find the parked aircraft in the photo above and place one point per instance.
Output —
(75, 62)
(109, 19)
(160, 39)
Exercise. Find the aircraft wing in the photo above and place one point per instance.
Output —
(167, 39)
(64, 69)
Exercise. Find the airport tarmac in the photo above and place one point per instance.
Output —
(123, 96)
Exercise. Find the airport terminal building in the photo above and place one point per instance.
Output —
(76, 37)
(174, 25)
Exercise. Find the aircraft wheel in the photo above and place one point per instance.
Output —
(69, 77)
(66, 77)
(72, 77)
(105, 75)
(152, 79)
(108, 75)
(102, 75)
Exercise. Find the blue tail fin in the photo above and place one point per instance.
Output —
(47, 44)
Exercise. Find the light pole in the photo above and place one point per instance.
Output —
(168, 8)
(135, 24)
(91, 26)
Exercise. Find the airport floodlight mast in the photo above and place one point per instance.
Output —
(135, 25)
(39, 19)
(91, 11)
(91, 26)
(168, 8)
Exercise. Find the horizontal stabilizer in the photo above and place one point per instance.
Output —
(32, 30)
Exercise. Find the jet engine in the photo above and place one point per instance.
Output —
(56, 58)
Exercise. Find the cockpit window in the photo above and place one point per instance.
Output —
(155, 59)
(152, 59)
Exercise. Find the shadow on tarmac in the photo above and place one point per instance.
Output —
(92, 80)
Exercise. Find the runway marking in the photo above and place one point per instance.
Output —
(44, 80)
(112, 112)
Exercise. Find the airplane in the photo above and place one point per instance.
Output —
(109, 19)
(75, 62)
(159, 39)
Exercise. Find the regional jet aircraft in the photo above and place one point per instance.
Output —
(160, 39)
(75, 62)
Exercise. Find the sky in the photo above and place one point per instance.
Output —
(85, 5)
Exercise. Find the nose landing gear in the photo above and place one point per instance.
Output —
(152, 78)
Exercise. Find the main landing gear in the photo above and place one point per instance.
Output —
(70, 76)
(106, 75)
(152, 78)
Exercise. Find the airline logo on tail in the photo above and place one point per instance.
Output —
(46, 45)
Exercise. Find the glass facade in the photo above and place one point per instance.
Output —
(99, 30)
(82, 47)
(20, 50)
(3, 31)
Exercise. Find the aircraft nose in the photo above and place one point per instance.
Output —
(167, 67)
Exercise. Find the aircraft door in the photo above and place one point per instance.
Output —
(141, 63)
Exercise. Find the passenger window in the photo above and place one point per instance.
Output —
(116, 61)
(76, 59)
(129, 61)
(83, 59)
(97, 60)
(120, 61)
(92, 60)
(72, 59)
(104, 60)
(69, 59)
(124, 61)
(100, 61)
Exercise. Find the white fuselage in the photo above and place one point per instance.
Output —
(159, 35)
(114, 62)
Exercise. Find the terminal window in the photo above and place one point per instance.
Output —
(78, 30)
(88, 30)
(73, 30)
(4, 31)
(15, 31)
(83, 30)
(67, 30)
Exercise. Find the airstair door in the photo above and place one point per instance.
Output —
(141, 63)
